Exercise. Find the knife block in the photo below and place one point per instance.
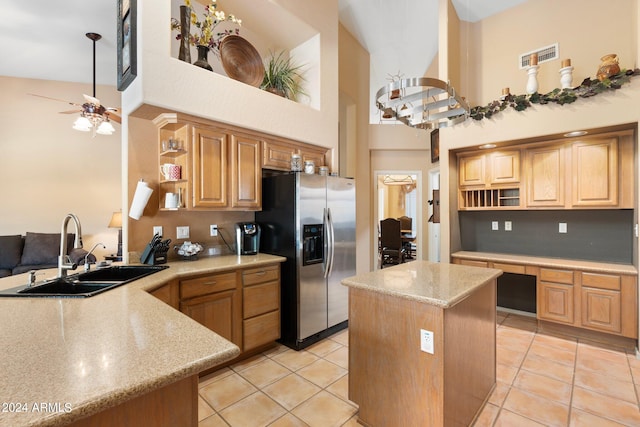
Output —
(153, 255)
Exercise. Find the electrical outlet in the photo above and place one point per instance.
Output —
(562, 227)
(157, 229)
(213, 230)
(182, 232)
(507, 226)
(426, 341)
(495, 225)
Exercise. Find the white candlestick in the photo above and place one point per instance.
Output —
(566, 77)
(532, 81)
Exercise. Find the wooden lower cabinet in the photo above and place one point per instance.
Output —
(261, 306)
(601, 309)
(217, 312)
(242, 306)
(555, 302)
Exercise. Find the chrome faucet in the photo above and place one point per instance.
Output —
(64, 262)
(87, 266)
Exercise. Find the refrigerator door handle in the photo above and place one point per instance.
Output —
(332, 241)
(327, 244)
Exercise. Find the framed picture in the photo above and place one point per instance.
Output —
(435, 145)
(126, 43)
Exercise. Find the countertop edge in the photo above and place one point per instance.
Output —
(592, 266)
(488, 274)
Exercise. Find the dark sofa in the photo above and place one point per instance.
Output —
(35, 251)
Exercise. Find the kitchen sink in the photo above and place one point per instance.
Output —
(119, 273)
(85, 284)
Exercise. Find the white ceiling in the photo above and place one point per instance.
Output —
(45, 39)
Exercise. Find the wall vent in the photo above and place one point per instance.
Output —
(545, 54)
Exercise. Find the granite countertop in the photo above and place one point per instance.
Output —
(570, 264)
(83, 355)
(439, 284)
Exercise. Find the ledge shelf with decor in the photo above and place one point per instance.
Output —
(173, 143)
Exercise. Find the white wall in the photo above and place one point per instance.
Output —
(48, 169)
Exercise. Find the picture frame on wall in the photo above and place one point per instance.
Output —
(435, 145)
(127, 40)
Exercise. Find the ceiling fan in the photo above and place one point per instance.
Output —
(93, 115)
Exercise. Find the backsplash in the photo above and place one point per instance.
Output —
(592, 235)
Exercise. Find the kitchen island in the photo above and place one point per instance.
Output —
(117, 357)
(422, 343)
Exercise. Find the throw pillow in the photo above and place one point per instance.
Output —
(43, 248)
(10, 251)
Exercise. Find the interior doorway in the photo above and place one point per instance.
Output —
(434, 226)
(398, 193)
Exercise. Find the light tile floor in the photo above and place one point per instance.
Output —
(542, 380)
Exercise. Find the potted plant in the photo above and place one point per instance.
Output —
(282, 78)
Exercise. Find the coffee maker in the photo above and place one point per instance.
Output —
(247, 238)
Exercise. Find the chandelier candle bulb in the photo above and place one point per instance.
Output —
(566, 63)
(533, 59)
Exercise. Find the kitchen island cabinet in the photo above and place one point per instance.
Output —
(122, 356)
(422, 336)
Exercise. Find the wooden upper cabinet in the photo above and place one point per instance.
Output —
(504, 167)
(316, 155)
(246, 172)
(276, 155)
(471, 170)
(210, 168)
(595, 172)
(546, 176)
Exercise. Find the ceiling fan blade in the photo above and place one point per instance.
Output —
(55, 99)
(114, 117)
(70, 112)
(91, 100)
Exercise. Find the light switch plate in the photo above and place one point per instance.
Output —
(213, 230)
(562, 227)
(507, 226)
(426, 341)
(495, 225)
(182, 232)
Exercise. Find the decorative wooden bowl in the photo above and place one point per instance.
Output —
(241, 61)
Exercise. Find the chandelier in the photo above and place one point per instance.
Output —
(422, 103)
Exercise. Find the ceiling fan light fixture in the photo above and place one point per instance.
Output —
(106, 128)
(82, 124)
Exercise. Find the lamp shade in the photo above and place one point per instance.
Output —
(116, 220)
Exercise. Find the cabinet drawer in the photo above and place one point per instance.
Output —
(260, 299)
(261, 330)
(473, 263)
(260, 275)
(509, 268)
(602, 281)
(207, 285)
(557, 276)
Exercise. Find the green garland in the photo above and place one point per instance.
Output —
(589, 87)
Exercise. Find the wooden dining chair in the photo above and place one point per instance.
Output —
(391, 242)
(407, 238)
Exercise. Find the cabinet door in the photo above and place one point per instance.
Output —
(218, 312)
(504, 167)
(315, 155)
(595, 172)
(210, 169)
(555, 302)
(261, 330)
(601, 309)
(471, 170)
(546, 176)
(277, 155)
(246, 172)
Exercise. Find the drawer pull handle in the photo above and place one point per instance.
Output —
(213, 282)
(261, 273)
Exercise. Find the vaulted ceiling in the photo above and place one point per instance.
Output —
(44, 39)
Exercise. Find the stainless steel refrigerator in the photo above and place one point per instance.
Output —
(310, 220)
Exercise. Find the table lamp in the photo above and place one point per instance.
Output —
(116, 222)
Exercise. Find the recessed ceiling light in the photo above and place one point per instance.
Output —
(575, 133)
(486, 146)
